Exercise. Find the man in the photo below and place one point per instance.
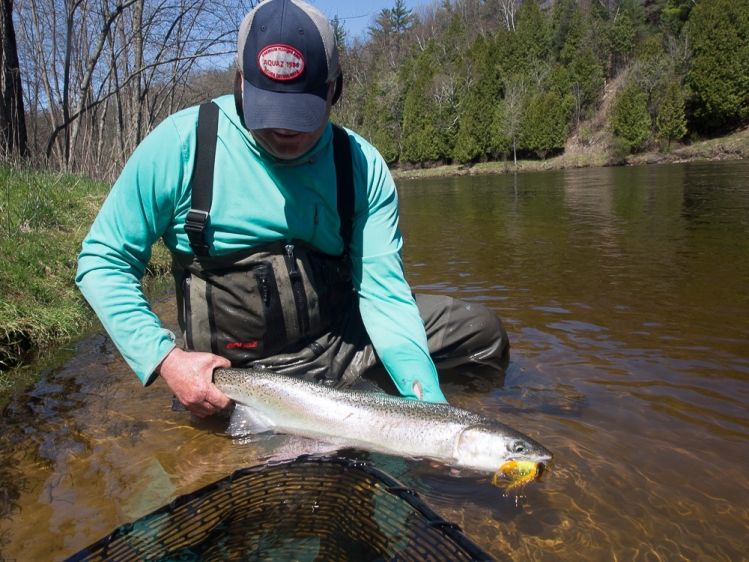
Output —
(284, 234)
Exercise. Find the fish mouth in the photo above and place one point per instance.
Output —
(516, 473)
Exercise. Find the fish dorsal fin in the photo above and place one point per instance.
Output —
(246, 420)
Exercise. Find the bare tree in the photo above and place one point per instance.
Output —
(12, 118)
(104, 72)
(516, 90)
(508, 9)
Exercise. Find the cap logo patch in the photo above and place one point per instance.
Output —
(280, 62)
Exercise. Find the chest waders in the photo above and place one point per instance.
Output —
(270, 299)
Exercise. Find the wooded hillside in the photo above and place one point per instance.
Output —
(459, 81)
(471, 80)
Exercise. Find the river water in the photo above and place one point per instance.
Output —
(625, 292)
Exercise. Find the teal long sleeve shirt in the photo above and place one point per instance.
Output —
(256, 199)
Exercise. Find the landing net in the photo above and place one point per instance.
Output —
(308, 509)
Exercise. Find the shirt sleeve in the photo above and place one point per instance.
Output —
(117, 249)
(387, 305)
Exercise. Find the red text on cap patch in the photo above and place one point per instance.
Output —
(280, 62)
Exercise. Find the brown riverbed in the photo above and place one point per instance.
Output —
(625, 293)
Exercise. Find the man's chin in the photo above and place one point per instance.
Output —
(283, 146)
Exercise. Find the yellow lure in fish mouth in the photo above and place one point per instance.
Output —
(514, 474)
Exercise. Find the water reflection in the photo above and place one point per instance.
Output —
(624, 292)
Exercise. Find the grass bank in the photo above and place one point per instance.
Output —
(43, 219)
(732, 147)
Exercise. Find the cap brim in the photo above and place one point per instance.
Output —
(276, 110)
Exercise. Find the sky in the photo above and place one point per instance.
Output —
(357, 16)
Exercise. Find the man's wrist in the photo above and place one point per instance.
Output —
(171, 355)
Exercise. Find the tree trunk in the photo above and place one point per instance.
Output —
(12, 116)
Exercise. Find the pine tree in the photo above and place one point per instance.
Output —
(675, 14)
(671, 122)
(388, 31)
(563, 15)
(545, 123)
(719, 74)
(472, 141)
(630, 119)
(423, 141)
(622, 39)
(378, 125)
(339, 31)
(532, 37)
(502, 134)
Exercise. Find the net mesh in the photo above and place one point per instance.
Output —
(307, 509)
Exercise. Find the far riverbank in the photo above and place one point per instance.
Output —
(731, 147)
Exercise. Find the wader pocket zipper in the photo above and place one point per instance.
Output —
(275, 330)
(297, 288)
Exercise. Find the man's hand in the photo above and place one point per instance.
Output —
(190, 376)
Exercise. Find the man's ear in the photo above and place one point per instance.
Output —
(238, 87)
(338, 88)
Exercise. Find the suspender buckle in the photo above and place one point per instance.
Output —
(196, 221)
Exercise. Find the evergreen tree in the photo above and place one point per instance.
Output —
(719, 75)
(532, 35)
(423, 141)
(576, 37)
(630, 119)
(675, 14)
(501, 133)
(472, 141)
(582, 76)
(622, 39)
(562, 15)
(379, 126)
(340, 32)
(387, 33)
(545, 123)
(671, 122)
(586, 82)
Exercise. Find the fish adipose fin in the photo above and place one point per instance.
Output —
(244, 421)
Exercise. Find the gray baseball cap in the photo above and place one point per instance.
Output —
(288, 55)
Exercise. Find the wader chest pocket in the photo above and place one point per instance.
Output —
(251, 306)
(235, 313)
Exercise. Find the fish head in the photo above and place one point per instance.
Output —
(514, 458)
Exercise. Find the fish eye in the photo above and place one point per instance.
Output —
(518, 447)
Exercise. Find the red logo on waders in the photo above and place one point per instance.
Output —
(242, 345)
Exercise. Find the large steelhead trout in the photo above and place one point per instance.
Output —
(379, 422)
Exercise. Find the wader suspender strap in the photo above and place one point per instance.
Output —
(344, 173)
(202, 180)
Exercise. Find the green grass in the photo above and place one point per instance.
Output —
(43, 219)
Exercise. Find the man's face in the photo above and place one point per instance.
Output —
(287, 144)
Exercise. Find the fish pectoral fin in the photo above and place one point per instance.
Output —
(245, 420)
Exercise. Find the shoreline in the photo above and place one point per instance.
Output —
(731, 147)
